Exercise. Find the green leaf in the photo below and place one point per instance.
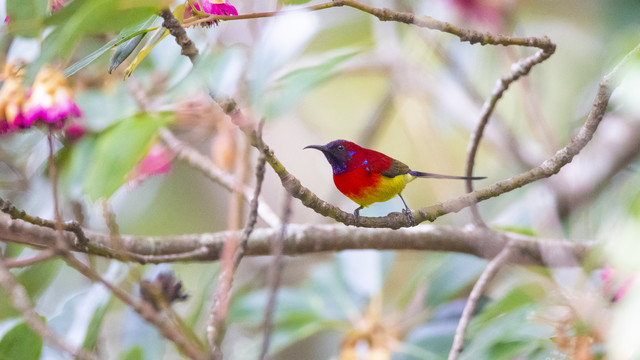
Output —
(123, 52)
(155, 39)
(518, 230)
(634, 206)
(456, 273)
(289, 89)
(507, 349)
(93, 330)
(516, 298)
(35, 280)
(21, 343)
(135, 353)
(284, 337)
(27, 16)
(72, 164)
(119, 149)
(81, 18)
(126, 34)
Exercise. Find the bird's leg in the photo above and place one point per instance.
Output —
(407, 211)
(356, 214)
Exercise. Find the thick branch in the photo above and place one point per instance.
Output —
(305, 239)
(176, 30)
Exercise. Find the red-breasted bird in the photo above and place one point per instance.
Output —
(367, 176)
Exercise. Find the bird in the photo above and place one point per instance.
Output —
(367, 176)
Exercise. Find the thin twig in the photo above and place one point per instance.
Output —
(275, 277)
(185, 345)
(255, 201)
(41, 256)
(478, 288)
(221, 295)
(384, 14)
(231, 257)
(21, 301)
(176, 30)
(53, 174)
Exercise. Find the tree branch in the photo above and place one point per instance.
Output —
(275, 278)
(305, 239)
(518, 70)
(176, 30)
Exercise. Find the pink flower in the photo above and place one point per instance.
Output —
(56, 5)
(74, 132)
(489, 12)
(157, 161)
(50, 101)
(213, 7)
(12, 97)
(612, 286)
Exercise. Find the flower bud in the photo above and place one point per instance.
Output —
(51, 100)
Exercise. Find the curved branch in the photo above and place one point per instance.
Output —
(397, 220)
(306, 239)
(519, 69)
(384, 14)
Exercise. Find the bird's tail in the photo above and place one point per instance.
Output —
(438, 176)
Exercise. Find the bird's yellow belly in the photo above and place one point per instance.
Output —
(365, 188)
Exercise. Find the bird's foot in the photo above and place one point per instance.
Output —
(409, 215)
(356, 215)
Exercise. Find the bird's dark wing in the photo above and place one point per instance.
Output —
(396, 168)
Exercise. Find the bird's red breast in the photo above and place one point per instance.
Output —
(366, 179)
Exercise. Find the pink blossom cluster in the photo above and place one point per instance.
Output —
(213, 7)
(49, 101)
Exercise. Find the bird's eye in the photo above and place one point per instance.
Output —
(341, 147)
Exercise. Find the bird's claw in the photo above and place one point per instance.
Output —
(409, 215)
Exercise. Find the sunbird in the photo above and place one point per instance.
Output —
(367, 176)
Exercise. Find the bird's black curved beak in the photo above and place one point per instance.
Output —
(322, 148)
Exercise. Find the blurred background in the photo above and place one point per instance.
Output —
(414, 94)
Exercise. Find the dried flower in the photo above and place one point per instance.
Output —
(213, 7)
(164, 290)
(12, 97)
(51, 100)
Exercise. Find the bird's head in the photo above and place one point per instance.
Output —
(338, 153)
